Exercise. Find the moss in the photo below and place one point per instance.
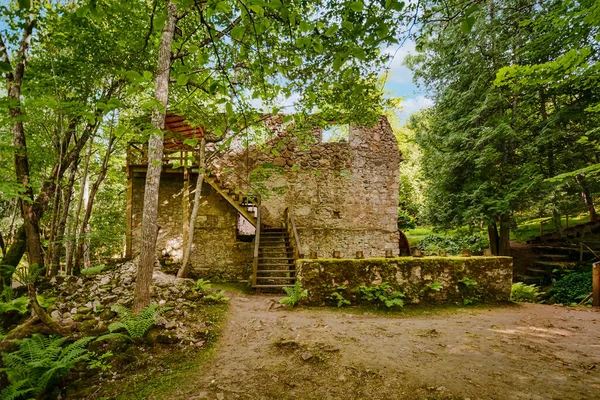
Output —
(411, 275)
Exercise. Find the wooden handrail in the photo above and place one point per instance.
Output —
(290, 226)
(256, 245)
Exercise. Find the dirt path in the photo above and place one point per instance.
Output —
(512, 352)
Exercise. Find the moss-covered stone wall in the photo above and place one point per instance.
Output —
(413, 276)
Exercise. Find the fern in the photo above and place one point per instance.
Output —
(40, 362)
(136, 325)
(19, 305)
(294, 294)
(202, 285)
(93, 270)
(383, 294)
(216, 298)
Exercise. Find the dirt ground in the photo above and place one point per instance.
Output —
(527, 351)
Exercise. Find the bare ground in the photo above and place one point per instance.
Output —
(526, 351)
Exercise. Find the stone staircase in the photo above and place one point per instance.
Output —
(276, 263)
(551, 261)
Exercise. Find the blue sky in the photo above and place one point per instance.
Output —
(400, 82)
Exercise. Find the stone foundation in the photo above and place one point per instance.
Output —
(322, 277)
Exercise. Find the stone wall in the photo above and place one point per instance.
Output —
(344, 195)
(493, 275)
(217, 252)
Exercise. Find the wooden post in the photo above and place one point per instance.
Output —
(466, 253)
(389, 254)
(337, 254)
(567, 220)
(129, 214)
(487, 252)
(186, 207)
(313, 255)
(541, 228)
(360, 255)
(443, 253)
(596, 285)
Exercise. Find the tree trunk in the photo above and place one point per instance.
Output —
(83, 248)
(149, 229)
(587, 196)
(504, 240)
(557, 223)
(56, 208)
(60, 233)
(494, 238)
(73, 237)
(184, 270)
(14, 80)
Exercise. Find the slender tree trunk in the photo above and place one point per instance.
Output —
(504, 240)
(60, 233)
(587, 196)
(494, 238)
(14, 80)
(56, 209)
(155, 152)
(74, 238)
(184, 270)
(83, 248)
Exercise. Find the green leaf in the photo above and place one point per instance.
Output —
(318, 46)
(332, 30)
(24, 4)
(82, 11)
(298, 61)
(191, 142)
(237, 32)
(337, 63)
(182, 79)
(133, 76)
(5, 67)
(229, 108)
(467, 24)
(357, 6)
(305, 26)
(347, 25)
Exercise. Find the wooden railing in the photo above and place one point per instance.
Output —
(256, 244)
(290, 226)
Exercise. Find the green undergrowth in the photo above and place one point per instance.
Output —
(528, 229)
(154, 371)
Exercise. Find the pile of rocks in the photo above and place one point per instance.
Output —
(86, 301)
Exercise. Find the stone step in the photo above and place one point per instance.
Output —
(275, 278)
(554, 265)
(273, 271)
(272, 286)
(538, 272)
(262, 264)
(531, 280)
(273, 246)
(554, 257)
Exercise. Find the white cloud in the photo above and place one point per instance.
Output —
(399, 73)
(413, 105)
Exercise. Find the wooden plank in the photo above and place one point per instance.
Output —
(596, 285)
(256, 246)
(129, 214)
(242, 210)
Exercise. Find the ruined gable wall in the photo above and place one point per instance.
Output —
(216, 252)
(344, 194)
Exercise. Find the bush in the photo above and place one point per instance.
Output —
(383, 294)
(523, 293)
(136, 325)
(41, 362)
(572, 288)
(294, 294)
(433, 243)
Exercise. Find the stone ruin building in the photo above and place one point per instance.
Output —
(326, 199)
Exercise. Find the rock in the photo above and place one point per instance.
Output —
(307, 355)
(279, 161)
(105, 280)
(167, 338)
(107, 314)
(82, 317)
(220, 396)
(73, 311)
(85, 309)
(56, 315)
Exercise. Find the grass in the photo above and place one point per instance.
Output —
(530, 228)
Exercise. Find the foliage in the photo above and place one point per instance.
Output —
(572, 288)
(435, 286)
(9, 304)
(383, 294)
(216, 298)
(202, 285)
(41, 362)
(523, 293)
(468, 282)
(294, 295)
(136, 325)
(338, 297)
(405, 221)
(453, 244)
(96, 269)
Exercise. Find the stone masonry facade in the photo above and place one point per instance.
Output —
(343, 196)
